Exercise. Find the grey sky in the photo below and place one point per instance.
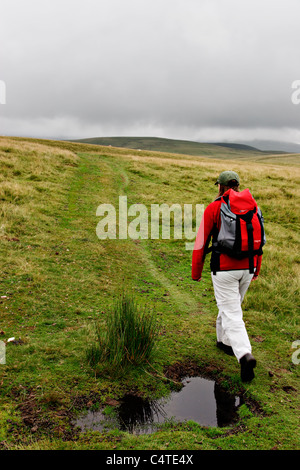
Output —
(188, 69)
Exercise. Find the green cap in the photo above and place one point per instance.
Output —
(227, 176)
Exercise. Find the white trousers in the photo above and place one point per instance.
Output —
(230, 288)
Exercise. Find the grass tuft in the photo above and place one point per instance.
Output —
(129, 337)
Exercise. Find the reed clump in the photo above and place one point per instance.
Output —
(129, 337)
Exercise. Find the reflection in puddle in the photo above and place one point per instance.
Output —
(200, 400)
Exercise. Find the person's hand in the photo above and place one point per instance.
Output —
(254, 278)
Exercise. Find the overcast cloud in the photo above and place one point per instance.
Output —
(207, 70)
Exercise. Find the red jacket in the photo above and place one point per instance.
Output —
(211, 220)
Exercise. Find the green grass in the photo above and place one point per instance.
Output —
(128, 339)
(58, 279)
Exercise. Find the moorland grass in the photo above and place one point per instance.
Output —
(58, 279)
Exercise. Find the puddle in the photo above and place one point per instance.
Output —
(201, 400)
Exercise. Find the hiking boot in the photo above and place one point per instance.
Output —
(227, 349)
(248, 362)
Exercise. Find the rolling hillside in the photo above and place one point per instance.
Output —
(185, 147)
(171, 146)
(58, 280)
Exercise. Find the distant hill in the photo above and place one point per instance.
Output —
(273, 146)
(237, 146)
(186, 147)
